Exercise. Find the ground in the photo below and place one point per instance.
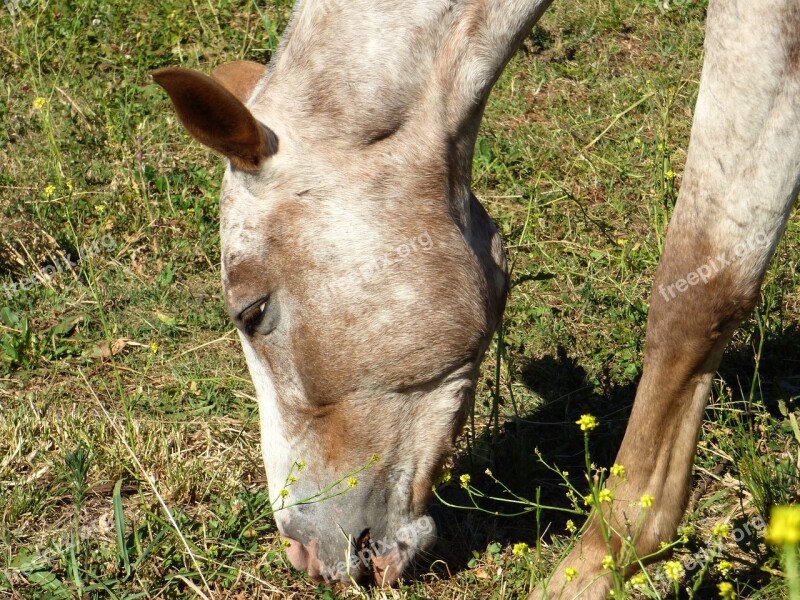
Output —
(129, 451)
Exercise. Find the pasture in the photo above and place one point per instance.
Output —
(129, 445)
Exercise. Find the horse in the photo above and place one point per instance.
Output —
(366, 280)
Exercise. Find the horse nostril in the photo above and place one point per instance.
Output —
(304, 558)
(297, 554)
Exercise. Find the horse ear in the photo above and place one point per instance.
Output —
(216, 118)
(239, 77)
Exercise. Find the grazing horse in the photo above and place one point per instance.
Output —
(366, 280)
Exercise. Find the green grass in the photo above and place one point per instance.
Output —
(129, 449)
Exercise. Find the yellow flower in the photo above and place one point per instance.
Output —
(639, 579)
(726, 590)
(153, 347)
(284, 493)
(588, 500)
(352, 482)
(520, 549)
(375, 458)
(605, 495)
(100, 208)
(571, 526)
(465, 478)
(608, 562)
(686, 533)
(618, 470)
(70, 186)
(292, 479)
(570, 573)
(301, 465)
(49, 191)
(446, 476)
(670, 174)
(39, 103)
(646, 501)
(784, 525)
(724, 567)
(587, 422)
(720, 531)
(674, 570)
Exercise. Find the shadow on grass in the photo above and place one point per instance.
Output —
(566, 394)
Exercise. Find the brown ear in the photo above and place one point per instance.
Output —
(216, 118)
(239, 77)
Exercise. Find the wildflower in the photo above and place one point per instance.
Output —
(587, 422)
(639, 579)
(571, 526)
(784, 525)
(375, 458)
(605, 495)
(301, 465)
(588, 500)
(726, 590)
(39, 103)
(520, 549)
(49, 191)
(637, 140)
(618, 470)
(570, 573)
(686, 533)
(608, 562)
(720, 531)
(352, 482)
(670, 175)
(446, 476)
(663, 545)
(646, 501)
(724, 567)
(292, 479)
(70, 185)
(154, 347)
(465, 478)
(100, 208)
(674, 570)
(284, 493)
(489, 472)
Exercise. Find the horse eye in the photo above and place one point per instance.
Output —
(252, 316)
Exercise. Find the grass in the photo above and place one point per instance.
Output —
(129, 450)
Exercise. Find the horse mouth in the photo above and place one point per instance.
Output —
(363, 551)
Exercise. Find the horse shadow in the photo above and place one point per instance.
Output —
(534, 453)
